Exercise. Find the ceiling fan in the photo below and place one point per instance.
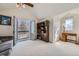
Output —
(24, 5)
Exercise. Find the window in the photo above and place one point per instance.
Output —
(69, 24)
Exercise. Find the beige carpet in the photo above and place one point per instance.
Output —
(41, 48)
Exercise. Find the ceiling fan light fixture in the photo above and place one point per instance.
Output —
(23, 5)
(18, 5)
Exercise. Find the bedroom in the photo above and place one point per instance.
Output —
(55, 13)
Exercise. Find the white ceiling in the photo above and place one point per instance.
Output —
(42, 10)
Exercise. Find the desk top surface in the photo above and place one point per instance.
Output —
(68, 33)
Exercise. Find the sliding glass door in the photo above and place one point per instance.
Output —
(22, 29)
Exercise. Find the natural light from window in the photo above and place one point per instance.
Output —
(69, 24)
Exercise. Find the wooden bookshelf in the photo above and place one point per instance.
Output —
(43, 31)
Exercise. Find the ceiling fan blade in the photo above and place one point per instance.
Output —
(29, 4)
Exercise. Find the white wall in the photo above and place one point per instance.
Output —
(56, 21)
(61, 17)
(42, 11)
(6, 30)
(56, 28)
(23, 13)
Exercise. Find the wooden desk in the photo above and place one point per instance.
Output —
(66, 34)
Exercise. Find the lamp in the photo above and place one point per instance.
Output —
(23, 5)
(19, 5)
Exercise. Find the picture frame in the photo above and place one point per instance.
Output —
(5, 20)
